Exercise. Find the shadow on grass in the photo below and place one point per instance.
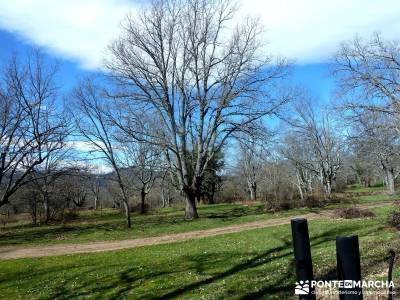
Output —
(97, 276)
(236, 212)
(26, 234)
(283, 285)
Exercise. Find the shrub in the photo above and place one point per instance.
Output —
(312, 201)
(394, 218)
(353, 212)
(7, 219)
(70, 215)
(136, 207)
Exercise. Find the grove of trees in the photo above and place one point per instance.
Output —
(192, 109)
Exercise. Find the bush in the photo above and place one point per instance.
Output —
(312, 201)
(69, 216)
(273, 204)
(394, 219)
(137, 207)
(353, 212)
(7, 219)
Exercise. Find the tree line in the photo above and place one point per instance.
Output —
(186, 108)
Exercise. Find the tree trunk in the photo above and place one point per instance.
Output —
(46, 208)
(190, 209)
(328, 188)
(142, 201)
(299, 186)
(211, 195)
(127, 214)
(390, 182)
(34, 211)
(300, 192)
(96, 199)
(163, 200)
(253, 191)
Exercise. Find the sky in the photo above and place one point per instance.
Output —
(76, 32)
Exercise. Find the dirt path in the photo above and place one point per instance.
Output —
(62, 249)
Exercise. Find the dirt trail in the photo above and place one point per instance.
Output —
(62, 249)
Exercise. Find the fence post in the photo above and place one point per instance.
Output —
(390, 271)
(302, 256)
(348, 266)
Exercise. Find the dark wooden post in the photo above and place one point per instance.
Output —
(390, 271)
(348, 266)
(302, 255)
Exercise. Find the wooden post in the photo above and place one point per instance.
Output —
(348, 266)
(302, 256)
(390, 271)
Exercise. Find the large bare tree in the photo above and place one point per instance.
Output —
(95, 127)
(368, 75)
(378, 140)
(31, 126)
(198, 75)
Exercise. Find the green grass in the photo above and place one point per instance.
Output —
(110, 225)
(377, 198)
(248, 265)
(356, 188)
(372, 194)
(92, 226)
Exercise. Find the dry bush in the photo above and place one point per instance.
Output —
(313, 200)
(137, 207)
(394, 218)
(69, 216)
(277, 203)
(7, 219)
(353, 212)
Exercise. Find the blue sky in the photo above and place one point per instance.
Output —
(308, 32)
(76, 33)
(314, 76)
(69, 70)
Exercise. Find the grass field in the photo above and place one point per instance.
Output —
(250, 265)
(91, 226)
(253, 264)
(110, 225)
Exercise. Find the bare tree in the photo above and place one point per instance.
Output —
(144, 162)
(31, 128)
(253, 152)
(200, 81)
(95, 188)
(93, 124)
(299, 154)
(368, 75)
(323, 143)
(46, 175)
(377, 138)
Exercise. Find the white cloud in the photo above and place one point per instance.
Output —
(74, 29)
(306, 30)
(95, 164)
(310, 30)
(82, 146)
